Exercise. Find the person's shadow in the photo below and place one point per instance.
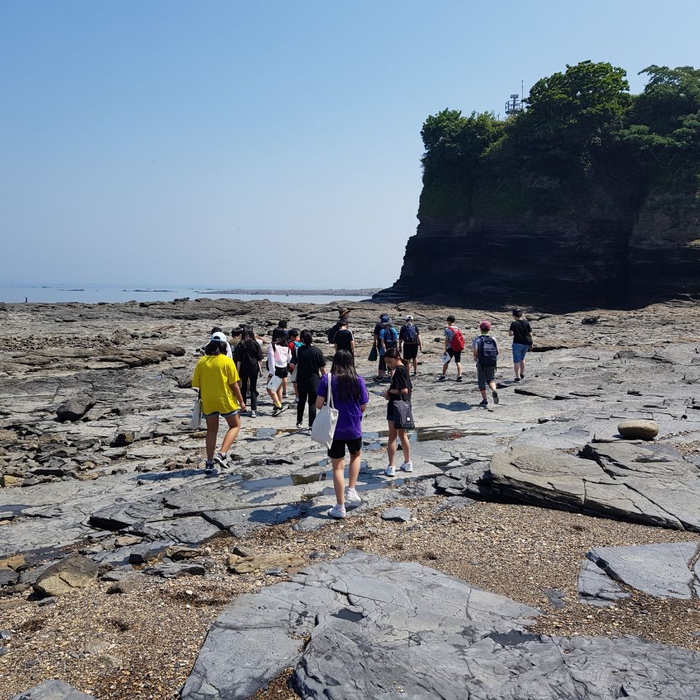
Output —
(455, 406)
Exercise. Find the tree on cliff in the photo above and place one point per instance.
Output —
(454, 147)
(664, 124)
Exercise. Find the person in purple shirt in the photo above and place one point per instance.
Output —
(350, 397)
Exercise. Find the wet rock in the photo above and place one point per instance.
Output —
(66, 575)
(74, 409)
(638, 429)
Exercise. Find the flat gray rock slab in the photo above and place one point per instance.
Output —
(52, 690)
(620, 480)
(378, 628)
(595, 587)
(401, 515)
(659, 570)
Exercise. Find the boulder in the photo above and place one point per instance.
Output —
(7, 481)
(66, 575)
(74, 409)
(638, 429)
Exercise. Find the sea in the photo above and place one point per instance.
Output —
(94, 293)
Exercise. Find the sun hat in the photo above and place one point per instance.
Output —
(218, 337)
(485, 326)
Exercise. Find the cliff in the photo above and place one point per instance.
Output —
(575, 203)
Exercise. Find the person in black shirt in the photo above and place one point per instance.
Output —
(409, 343)
(399, 390)
(522, 342)
(311, 364)
(343, 338)
(248, 355)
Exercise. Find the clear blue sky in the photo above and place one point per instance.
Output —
(263, 143)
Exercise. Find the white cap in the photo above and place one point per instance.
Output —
(220, 337)
(409, 317)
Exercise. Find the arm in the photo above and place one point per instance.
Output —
(420, 342)
(270, 359)
(236, 389)
(352, 346)
(475, 351)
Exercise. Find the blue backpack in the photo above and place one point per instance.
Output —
(389, 336)
(410, 334)
(487, 351)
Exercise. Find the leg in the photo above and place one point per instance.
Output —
(391, 445)
(339, 479)
(459, 368)
(405, 445)
(280, 393)
(312, 407)
(212, 430)
(253, 379)
(303, 394)
(354, 468)
(234, 426)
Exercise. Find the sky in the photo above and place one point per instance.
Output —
(265, 143)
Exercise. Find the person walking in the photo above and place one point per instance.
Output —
(293, 344)
(410, 343)
(388, 340)
(399, 390)
(248, 356)
(485, 350)
(343, 339)
(454, 344)
(384, 320)
(216, 377)
(310, 367)
(278, 358)
(350, 398)
(522, 341)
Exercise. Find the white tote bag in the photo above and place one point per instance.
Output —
(323, 429)
(196, 420)
(274, 383)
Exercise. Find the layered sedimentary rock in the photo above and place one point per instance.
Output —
(607, 259)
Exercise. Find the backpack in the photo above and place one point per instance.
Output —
(410, 334)
(390, 337)
(330, 333)
(457, 342)
(488, 351)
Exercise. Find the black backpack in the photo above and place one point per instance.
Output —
(487, 351)
(330, 333)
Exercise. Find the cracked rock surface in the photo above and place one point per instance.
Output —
(377, 628)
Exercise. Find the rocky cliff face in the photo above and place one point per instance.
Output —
(601, 259)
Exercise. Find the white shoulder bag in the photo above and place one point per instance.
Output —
(196, 419)
(323, 429)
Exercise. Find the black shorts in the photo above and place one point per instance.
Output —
(410, 352)
(457, 354)
(281, 372)
(337, 450)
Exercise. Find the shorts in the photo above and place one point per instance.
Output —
(457, 354)
(519, 351)
(223, 415)
(337, 449)
(484, 375)
(281, 372)
(382, 364)
(410, 352)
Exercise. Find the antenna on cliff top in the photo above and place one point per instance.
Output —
(514, 105)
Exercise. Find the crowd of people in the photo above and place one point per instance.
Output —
(227, 374)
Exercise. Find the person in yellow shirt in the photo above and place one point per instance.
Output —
(216, 377)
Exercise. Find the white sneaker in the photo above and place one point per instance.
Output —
(253, 414)
(390, 471)
(351, 496)
(407, 467)
(337, 511)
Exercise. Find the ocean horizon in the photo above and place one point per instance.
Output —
(115, 293)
